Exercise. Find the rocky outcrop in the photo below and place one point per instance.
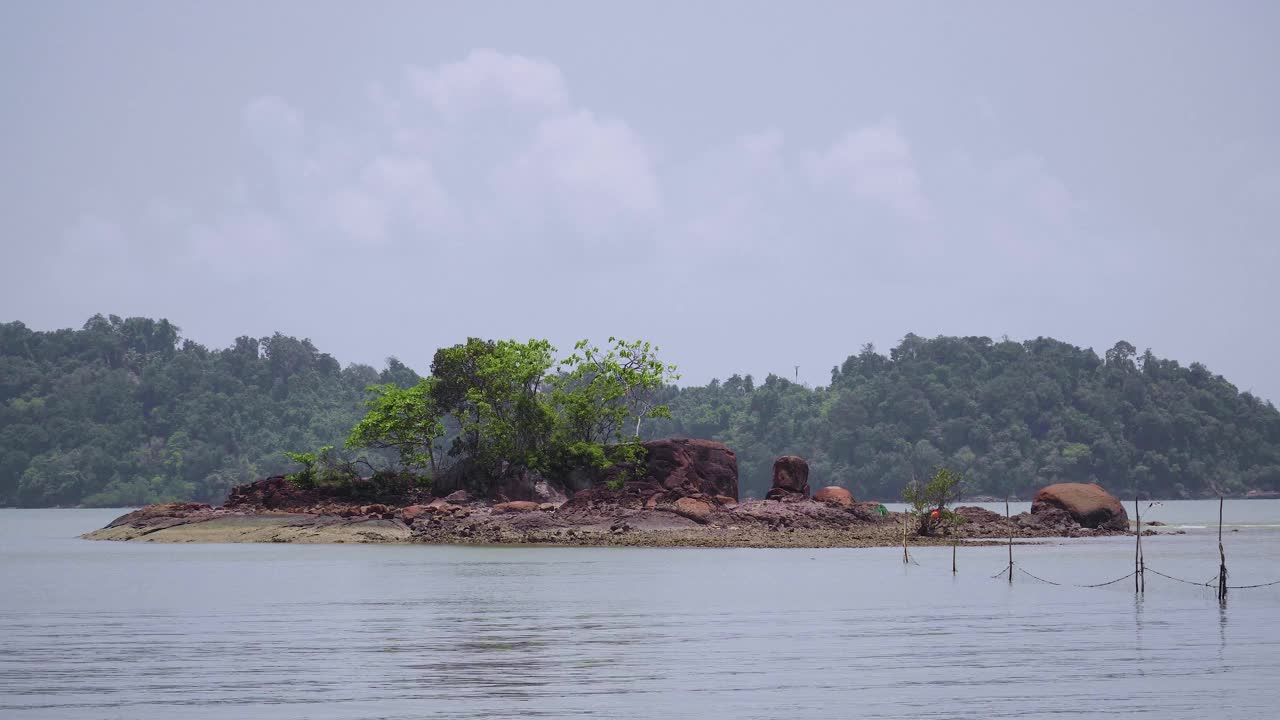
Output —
(686, 466)
(975, 514)
(155, 514)
(790, 478)
(1087, 504)
(834, 495)
(273, 493)
(675, 468)
(459, 496)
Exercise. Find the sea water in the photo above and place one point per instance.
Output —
(140, 631)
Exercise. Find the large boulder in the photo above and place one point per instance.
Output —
(834, 495)
(1087, 503)
(687, 466)
(790, 478)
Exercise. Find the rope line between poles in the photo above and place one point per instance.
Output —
(1211, 583)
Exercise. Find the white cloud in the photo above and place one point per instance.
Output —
(590, 171)
(491, 158)
(874, 163)
(409, 183)
(486, 77)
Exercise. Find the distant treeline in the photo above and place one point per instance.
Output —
(125, 412)
(1011, 416)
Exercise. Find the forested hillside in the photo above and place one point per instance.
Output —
(125, 412)
(1011, 416)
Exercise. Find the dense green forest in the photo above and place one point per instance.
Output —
(125, 411)
(1011, 416)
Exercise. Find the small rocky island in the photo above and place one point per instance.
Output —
(683, 494)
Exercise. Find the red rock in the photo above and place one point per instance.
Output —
(835, 495)
(1087, 503)
(790, 478)
(695, 510)
(413, 512)
(515, 506)
(726, 501)
(273, 493)
(975, 514)
(161, 510)
(689, 466)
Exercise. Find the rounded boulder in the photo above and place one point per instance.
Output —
(835, 495)
(1087, 503)
(695, 510)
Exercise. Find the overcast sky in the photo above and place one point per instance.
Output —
(752, 186)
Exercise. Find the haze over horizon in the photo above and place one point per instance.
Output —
(750, 186)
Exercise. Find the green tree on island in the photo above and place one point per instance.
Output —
(509, 402)
(929, 502)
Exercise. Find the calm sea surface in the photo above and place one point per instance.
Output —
(135, 631)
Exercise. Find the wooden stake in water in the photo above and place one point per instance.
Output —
(954, 543)
(1222, 558)
(906, 559)
(1137, 547)
(1009, 517)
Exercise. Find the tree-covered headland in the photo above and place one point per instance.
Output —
(126, 411)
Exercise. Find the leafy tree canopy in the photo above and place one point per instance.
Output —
(124, 411)
(1009, 416)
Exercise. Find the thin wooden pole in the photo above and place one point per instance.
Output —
(1222, 558)
(1137, 547)
(906, 559)
(1009, 517)
(954, 543)
(1142, 558)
